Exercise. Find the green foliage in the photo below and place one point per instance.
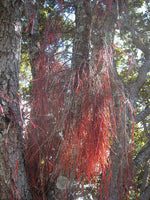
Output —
(25, 76)
(49, 17)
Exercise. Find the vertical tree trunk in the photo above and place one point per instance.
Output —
(13, 181)
(81, 46)
(80, 68)
(102, 38)
(80, 62)
(81, 49)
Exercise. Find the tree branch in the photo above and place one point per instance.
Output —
(143, 156)
(143, 114)
(117, 76)
(141, 79)
(137, 41)
(146, 130)
(146, 194)
(145, 68)
(146, 176)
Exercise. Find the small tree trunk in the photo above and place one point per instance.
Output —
(13, 181)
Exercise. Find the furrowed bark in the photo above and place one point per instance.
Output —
(81, 45)
(13, 181)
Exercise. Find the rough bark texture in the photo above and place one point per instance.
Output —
(102, 39)
(120, 148)
(81, 47)
(13, 182)
(80, 59)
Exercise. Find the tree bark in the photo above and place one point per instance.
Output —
(12, 172)
(120, 146)
(80, 59)
(81, 49)
(146, 194)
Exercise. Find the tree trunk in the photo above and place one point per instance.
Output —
(81, 49)
(12, 173)
(80, 59)
(80, 69)
(102, 38)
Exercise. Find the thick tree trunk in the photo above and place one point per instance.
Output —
(102, 38)
(119, 151)
(13, 181)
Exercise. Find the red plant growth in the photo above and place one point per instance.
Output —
(71, 129)
(61, 139)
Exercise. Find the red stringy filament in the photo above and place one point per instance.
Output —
(67, 138)
(87, 141)
(72, 129)
(84, 144)
(44, 141)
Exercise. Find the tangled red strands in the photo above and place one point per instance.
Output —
(59, 141)
(62, 141)
(71, 143)
(87, 142)
(43, 144)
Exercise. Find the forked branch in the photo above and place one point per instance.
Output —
(142, 156)
(141, 79)
(142, 115)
